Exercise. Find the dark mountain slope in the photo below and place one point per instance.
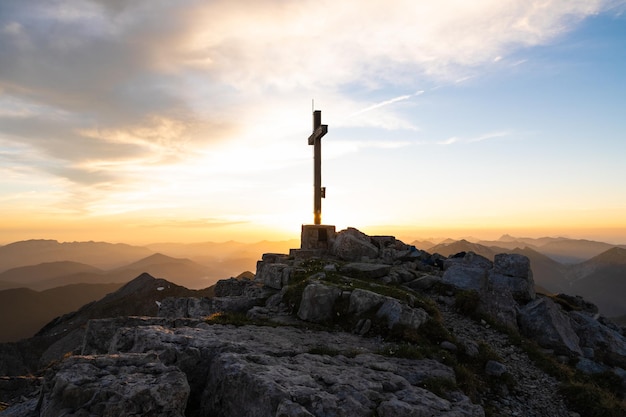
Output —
(137, 298)
(602, 280)
(23, 311)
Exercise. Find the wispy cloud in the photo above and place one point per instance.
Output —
(448, 141)
(387, 102)
(490, 136)
(487, 136)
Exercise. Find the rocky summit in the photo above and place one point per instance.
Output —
(365, 326)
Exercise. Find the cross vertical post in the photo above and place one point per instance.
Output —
(319, 192)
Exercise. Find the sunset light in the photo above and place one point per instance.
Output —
(187, 121)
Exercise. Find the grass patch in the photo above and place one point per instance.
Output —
(402, 350)
(235, 319)
(466, 302)
(591, 401)
(439, 386)
(469, 382)
(293, 295)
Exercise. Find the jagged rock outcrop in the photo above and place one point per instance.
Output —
(366, 270)
(468, 272)
(510, 273)
(545, 322)
(318, 302)
(285, 369)
(353, 245)
(114, 385)
(608, 343)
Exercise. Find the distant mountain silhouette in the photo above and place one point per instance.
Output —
(574, 250)
(99, 254)
(120, 263)
(55, 274)
(224, 259)
(23, 311)
(602, 280)
(451, 247)
(423, 244)
(182, 271)
(528, 241)
(24, 275)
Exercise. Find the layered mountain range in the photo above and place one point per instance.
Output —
(42, 279)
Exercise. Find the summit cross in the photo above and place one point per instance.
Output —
(319, 192)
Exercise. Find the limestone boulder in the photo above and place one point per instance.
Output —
(115, 385)
(424, 282)
(500, 306)
(273, 275)
(184, 307)
(512, 265)
(589, 367)
(467, 271)
(362, 301)
(469, 259)
(391, 249)
(396, 312)
(595, 335)
(194, 307)
(365, 270)
(465, 277)
(231, 287)
(545, 322)
(386, 308)
(512, 273)
(354, 246)
(318, 302)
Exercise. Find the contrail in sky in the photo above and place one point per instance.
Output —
(387, 102)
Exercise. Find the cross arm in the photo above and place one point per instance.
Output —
(319, 132)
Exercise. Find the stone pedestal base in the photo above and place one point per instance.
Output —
(315, 240)
(318, 236)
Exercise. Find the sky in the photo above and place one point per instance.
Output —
(187, 120)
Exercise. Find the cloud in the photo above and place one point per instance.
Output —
(195, 223)
(96, 87)
(487, 136)
(492, 135)
(448, 141)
